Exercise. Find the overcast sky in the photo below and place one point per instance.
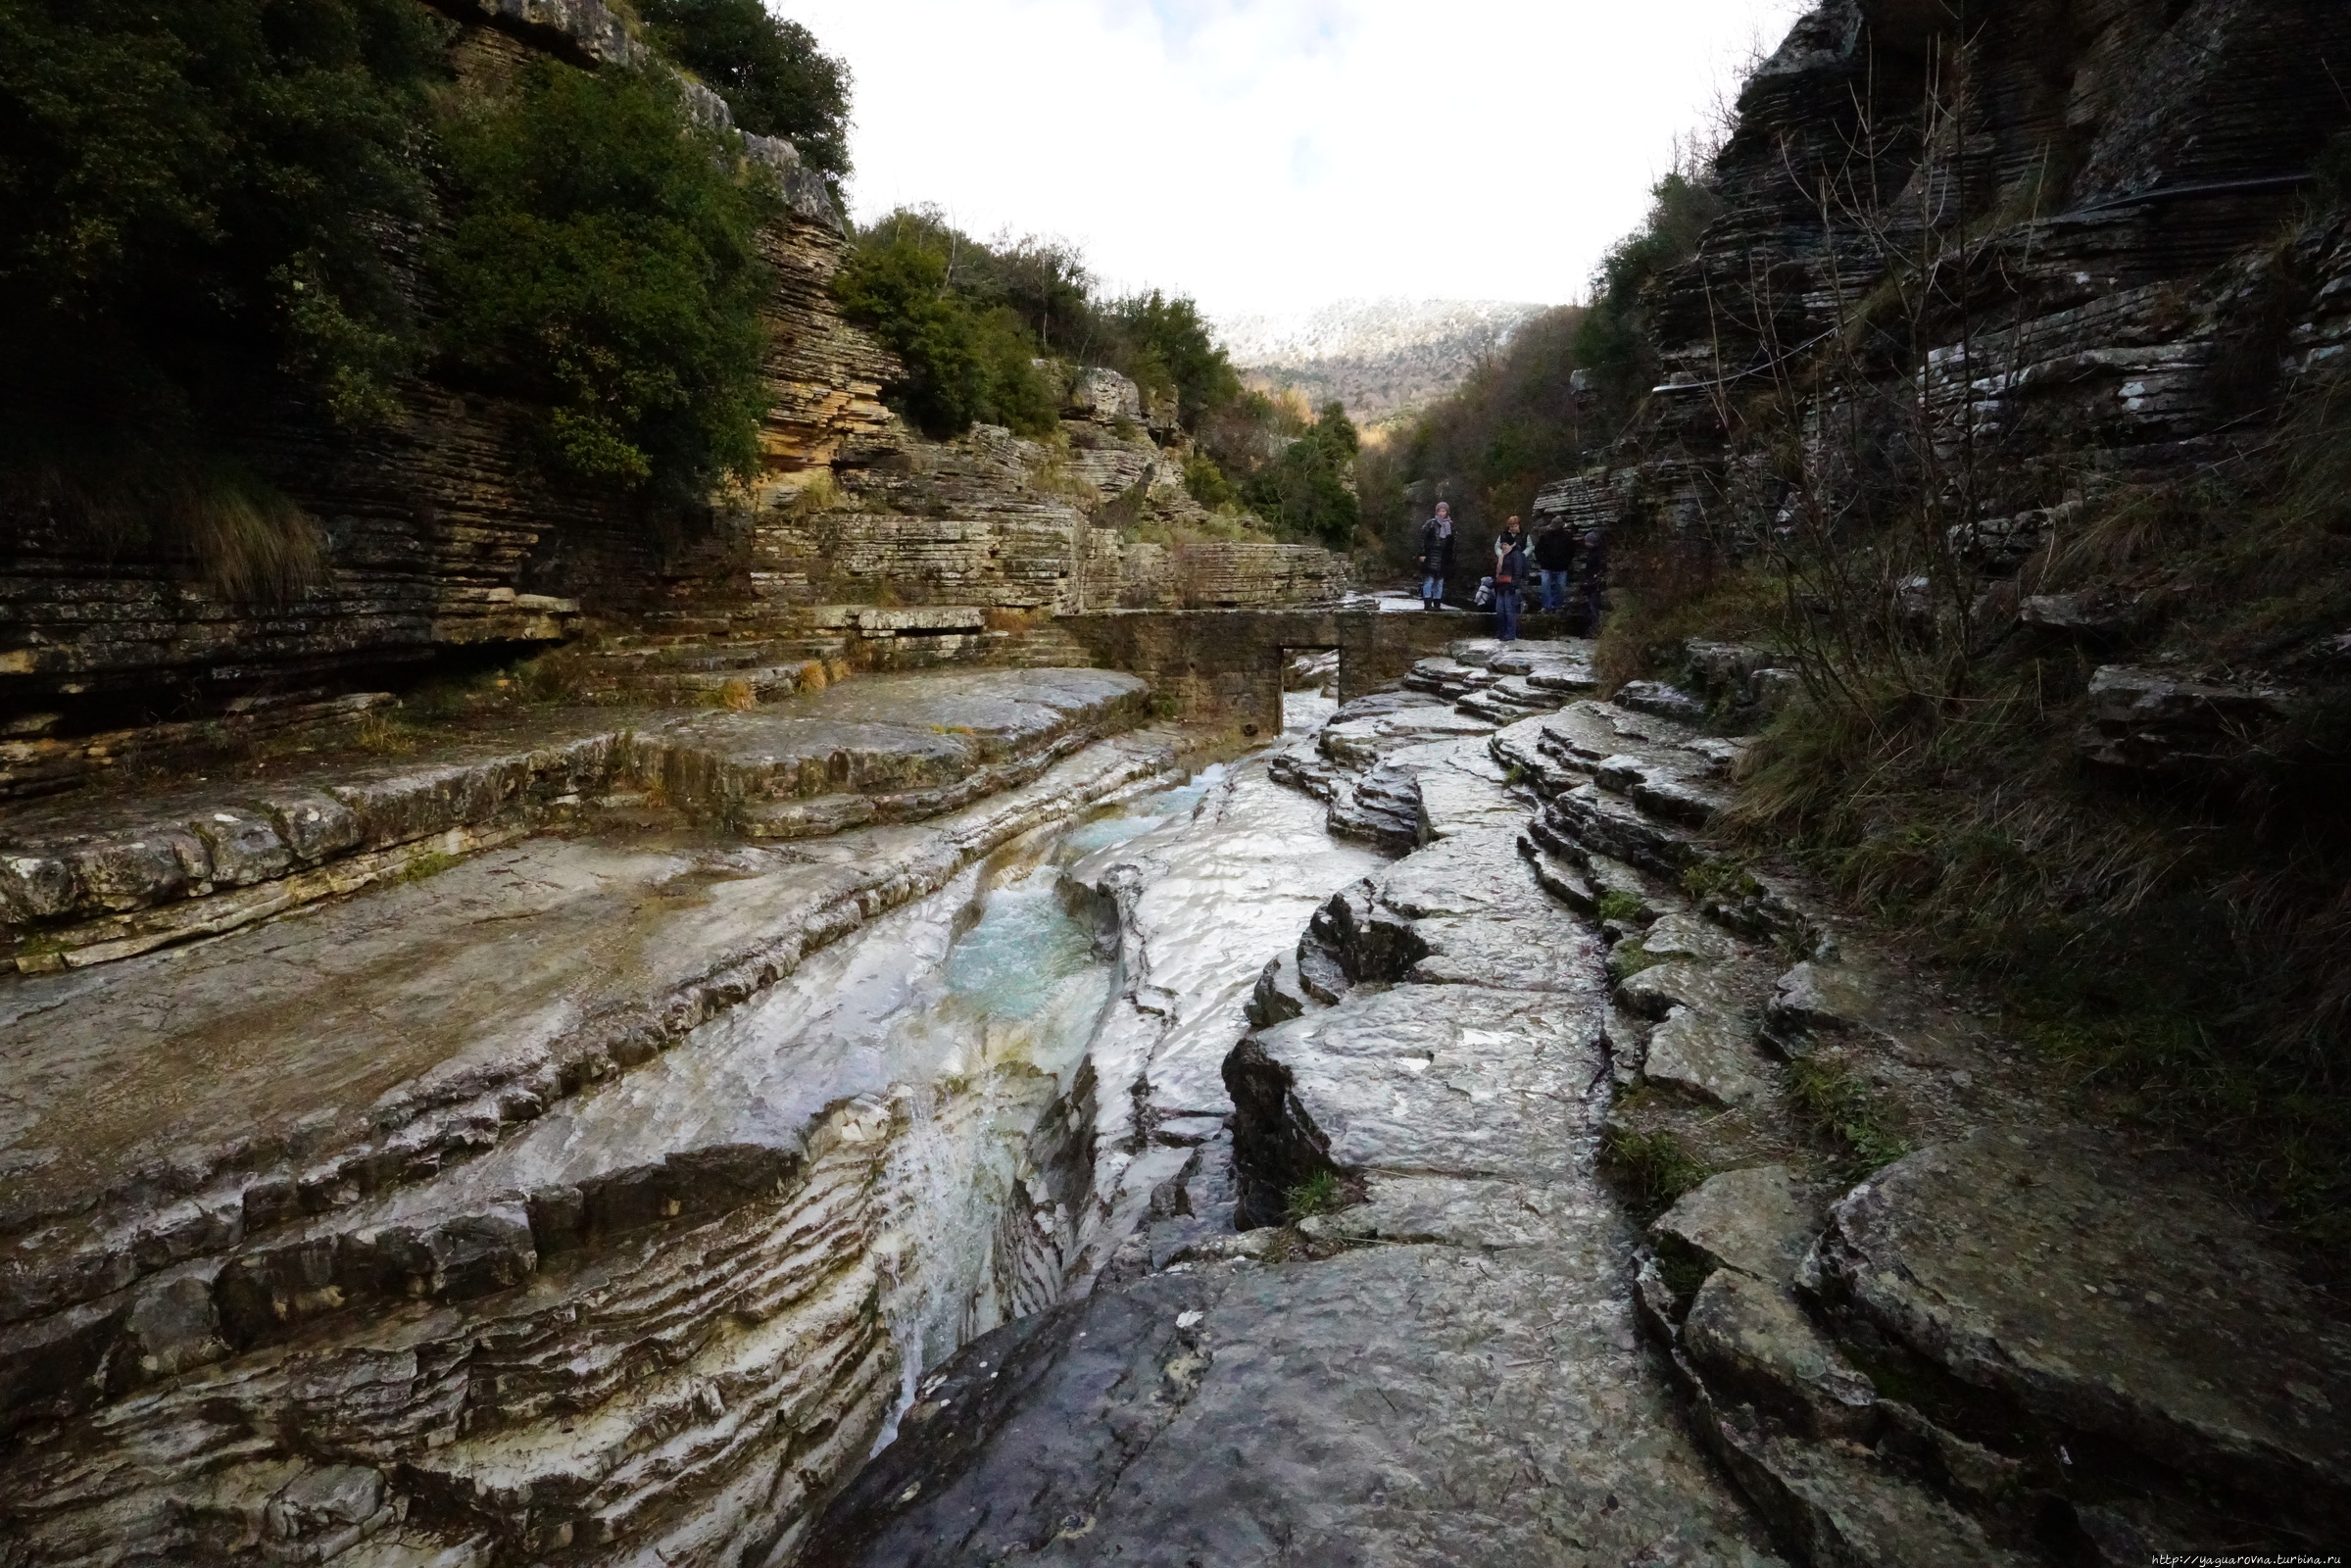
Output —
(1276, 154)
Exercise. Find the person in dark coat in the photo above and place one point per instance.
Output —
(1554, 557)
(1510, 574)
(1436, 555)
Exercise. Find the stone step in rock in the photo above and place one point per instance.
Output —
(90, 886)
(1508, 701)
(94, 883)
(1761, 1221)
(1357, 739)
(1301, 769)
(1671, 790)
(1611, 825)
(1707, 1054)
(1559, 877)
(1661, 700)
(1382, 808)
(1447, 677)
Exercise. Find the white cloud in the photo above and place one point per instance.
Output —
(1271, 155)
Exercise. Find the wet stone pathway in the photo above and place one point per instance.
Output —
(1438, 1335)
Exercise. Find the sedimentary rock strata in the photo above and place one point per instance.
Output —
(542, 1205)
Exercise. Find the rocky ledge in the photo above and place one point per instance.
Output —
(538, 1209)
(85, 882)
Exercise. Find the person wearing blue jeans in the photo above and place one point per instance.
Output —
(1554, 554)
(1509, 572)
(1436, 555)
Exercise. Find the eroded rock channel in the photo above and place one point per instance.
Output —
(1086, 1152)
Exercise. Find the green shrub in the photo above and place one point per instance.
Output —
(1618, 904)
(1165, 346)
(1839, 1107)
(967, 317)
(967, 361)
(1629, 957)
(1205, 481)
(1306, 491)
(607, 268)
(774, 77)
(1318, 1194)
(190, 197)
(1719, 877)
(1653, 1168)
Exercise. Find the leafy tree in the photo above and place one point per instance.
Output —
(191, 199)
(968, 315)
(1046, 284)
(608, 268)
(773, 73)
(967, 359)
(1307, 489)
(1169, 349)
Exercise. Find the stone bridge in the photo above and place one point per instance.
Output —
(1227, 663)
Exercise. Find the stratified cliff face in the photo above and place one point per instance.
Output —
(438, 530)
(435, 528)
(2114, 195)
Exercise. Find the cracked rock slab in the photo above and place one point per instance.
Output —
(1752, 1341)
(2101, 1292)
(1845, 1505)
(1704, 1052)
(1434, 1080)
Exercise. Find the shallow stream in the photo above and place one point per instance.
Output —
(1125, 943)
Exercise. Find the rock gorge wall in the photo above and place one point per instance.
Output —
(437, 531)
(2121, 197)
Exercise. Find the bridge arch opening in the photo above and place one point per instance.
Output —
(1309, 685)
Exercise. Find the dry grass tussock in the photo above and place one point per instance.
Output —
(243, 539)
(2176, 944)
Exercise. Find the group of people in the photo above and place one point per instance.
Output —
(1564, 567)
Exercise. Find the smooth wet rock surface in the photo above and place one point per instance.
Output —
(1444, 1370)
(600, 1192)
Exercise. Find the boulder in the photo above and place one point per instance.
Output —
(2148, 722)
(1666, 702)
(1755, 1220)
(1752, 1342)
(2109, 1295)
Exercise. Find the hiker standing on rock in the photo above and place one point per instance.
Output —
(1436, 555)
(1509, 573)
(1554, 554)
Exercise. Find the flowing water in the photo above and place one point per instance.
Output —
(964, 1024)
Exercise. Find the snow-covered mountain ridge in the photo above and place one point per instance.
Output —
(1381, 357)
